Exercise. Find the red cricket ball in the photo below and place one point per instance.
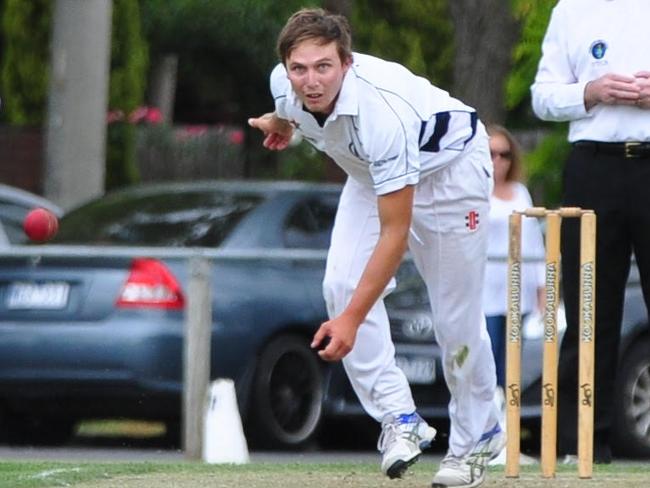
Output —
(40, 225)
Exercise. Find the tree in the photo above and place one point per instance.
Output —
(484, 34)
(545, 162)
(416, 33)
(225, 51)
(27, 28)
(533, 16)
(343, 7)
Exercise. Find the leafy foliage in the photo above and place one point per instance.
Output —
(545, 162)
(416, 33)
(129, 58)
(301, 162)
(129, 63)
(225, 49)
(534, 16)
(545, 165)
(26, 30)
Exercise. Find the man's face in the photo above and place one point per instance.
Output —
(316, 74)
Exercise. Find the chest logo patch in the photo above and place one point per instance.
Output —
(598, 49)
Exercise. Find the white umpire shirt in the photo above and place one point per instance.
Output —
(389, 127)
(585, 40)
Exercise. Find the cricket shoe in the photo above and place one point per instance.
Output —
(401, 442)
(469, 471)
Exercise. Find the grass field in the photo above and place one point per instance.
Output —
(263, 475)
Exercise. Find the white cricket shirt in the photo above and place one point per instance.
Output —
(389, 127)
(585, 40)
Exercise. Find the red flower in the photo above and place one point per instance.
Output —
(114, 116)
(236, 136)
(147, 115)
(153, 116)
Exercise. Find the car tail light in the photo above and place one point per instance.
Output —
(151, 284)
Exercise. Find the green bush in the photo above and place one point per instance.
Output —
(26, 31)
(129, 62)
(26, 34)
(301, 162)
(545, 164)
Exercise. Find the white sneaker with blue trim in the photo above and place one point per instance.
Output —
(401, 442)
(469, 471)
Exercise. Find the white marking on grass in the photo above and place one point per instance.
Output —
(53, 472)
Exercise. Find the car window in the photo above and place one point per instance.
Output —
(11, 219)
(310, 223)
(4, 239)
(199, 218)
(410, 292)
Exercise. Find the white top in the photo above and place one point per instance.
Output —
(389, 127)
(495, 297)
(585, 40)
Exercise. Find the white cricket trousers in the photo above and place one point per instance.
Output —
(448, 242)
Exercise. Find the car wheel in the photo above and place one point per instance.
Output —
(632, 424)
(287, 394)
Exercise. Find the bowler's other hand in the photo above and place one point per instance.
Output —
(342, 333)
(612, 89)
(277, 131)
(643, 80)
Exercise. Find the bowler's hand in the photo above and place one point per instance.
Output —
(643, 80)
(612, 89)
(277, 131)
(342, 333)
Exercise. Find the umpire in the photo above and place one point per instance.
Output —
(595, 73)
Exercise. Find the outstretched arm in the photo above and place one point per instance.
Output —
(277, 131)
(395, 211)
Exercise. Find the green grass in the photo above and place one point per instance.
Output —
(282, 475)
(41, 474)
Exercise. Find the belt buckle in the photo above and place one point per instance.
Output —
(629, 149)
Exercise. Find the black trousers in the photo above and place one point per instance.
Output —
(618, 189)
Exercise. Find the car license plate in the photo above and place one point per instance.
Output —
(38, 296)
(418, 370)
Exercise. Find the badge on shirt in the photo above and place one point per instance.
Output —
(471, 220)
(598, 49)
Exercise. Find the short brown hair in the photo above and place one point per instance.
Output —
(516, 170)
(315, 23)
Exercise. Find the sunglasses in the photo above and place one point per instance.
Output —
(501, 154)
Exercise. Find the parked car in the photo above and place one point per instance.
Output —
(92, 325)
(14, 206)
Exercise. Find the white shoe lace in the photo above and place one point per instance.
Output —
(451, 461)
(389, 433)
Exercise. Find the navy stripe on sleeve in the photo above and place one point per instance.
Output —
(440, 129)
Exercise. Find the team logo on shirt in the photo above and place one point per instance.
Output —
(598, 49)
(471, 220)
(353, 150)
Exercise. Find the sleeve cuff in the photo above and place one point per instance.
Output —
(395, 184)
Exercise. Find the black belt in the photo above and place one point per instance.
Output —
(628, 150)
